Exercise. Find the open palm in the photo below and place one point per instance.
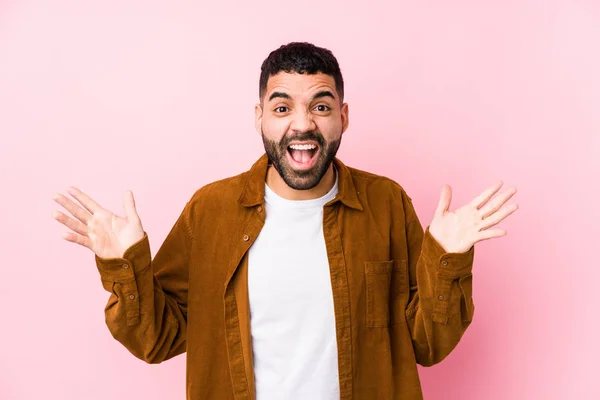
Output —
(457, 231)
(106, 234)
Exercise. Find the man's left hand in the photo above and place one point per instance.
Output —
(457, 231)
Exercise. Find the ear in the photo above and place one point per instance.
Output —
(258, 111)
(345, 117)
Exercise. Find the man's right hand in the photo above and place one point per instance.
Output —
(96, 228)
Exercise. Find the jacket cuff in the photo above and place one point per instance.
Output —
(449, 264)
(119, 269)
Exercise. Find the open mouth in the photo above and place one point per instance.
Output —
(303, 155)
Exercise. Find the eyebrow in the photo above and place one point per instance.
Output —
(280, 95)
(322, 93)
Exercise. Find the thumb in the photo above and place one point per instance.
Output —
(129, 206)
(445, 199)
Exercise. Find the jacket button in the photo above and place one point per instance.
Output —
(246, 238)
(259, 208)
(125, 266)
(132, 296)
(440, 297)
(444, 262)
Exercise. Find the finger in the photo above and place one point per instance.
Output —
(75, 238)
(445, 199)
(498, 201)
(69, 222)
(498, 216)
(84, 199)
(72, 207)
(489, 234)
(129, 206)
(487, 194)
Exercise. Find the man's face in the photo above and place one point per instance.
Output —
(301, 122)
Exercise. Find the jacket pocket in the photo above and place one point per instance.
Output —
(399, 292)
(378, 276)
(386, 292)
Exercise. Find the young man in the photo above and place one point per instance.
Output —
(301, 278)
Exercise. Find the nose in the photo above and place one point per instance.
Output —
(302, 121)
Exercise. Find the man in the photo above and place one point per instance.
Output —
(301, 278)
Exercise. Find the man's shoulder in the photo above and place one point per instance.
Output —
(362, 175)
(375, 184)
(224, 189)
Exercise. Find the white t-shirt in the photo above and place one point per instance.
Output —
(292, 318)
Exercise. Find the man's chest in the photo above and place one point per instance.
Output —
(288, 265)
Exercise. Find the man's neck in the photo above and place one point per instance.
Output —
(278, 185)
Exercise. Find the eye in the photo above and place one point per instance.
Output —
(322, 108)
(281, 109)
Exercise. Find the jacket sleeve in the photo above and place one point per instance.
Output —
(147, 307)
(440, 305)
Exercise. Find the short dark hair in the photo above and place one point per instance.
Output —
(301, 57)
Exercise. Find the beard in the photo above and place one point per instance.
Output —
(306, 179)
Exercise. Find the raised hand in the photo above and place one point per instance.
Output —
(96, 228)
(457, 231)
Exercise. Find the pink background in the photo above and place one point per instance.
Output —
(158, 97)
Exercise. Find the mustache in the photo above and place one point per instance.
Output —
(304, 136)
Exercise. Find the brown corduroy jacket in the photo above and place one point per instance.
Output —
(399, 298)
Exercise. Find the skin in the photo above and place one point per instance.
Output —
(457, 231)
(299, 106)
(295, 112)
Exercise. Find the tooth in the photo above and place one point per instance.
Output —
(303, 146)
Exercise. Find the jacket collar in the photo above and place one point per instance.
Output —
(253, 190)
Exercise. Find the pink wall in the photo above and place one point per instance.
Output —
(158, 97)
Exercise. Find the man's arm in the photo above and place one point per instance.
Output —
(147, 308)
(440, 306)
